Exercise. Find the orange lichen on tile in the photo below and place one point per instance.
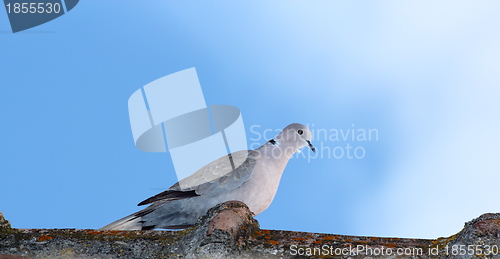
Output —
(273, 242)
(43, 238)
(265, 231)
(330, 237)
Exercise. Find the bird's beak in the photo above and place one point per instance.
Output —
(311, 146)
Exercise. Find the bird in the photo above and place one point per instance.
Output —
(254, 182)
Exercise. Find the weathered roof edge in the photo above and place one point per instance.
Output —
(229, 231)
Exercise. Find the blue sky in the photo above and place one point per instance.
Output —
(423, 74)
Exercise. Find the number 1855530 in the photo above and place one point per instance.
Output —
(33, 8)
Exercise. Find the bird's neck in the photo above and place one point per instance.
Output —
(277, 149)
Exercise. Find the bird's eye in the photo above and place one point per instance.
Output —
(300, 132)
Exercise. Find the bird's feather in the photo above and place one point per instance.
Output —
(209, 179)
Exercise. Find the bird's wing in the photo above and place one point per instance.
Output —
(169, 195)
(226, 173)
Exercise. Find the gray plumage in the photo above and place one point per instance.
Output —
(254, 182)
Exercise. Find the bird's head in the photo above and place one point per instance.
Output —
(297, 136)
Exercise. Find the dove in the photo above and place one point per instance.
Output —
(254, 182)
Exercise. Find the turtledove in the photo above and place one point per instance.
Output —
(254, 182)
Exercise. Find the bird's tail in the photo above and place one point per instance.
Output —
(130, 222)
